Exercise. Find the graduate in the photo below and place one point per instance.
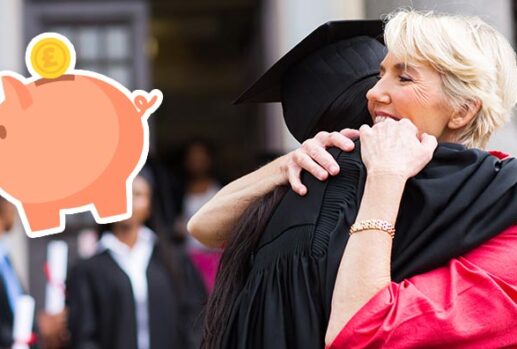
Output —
(50, 329)
(138, 291)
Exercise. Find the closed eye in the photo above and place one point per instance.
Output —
(403, 78)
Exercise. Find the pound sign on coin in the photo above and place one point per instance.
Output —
(50, 56)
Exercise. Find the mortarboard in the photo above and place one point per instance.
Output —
(323, 80)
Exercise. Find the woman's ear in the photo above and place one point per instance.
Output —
(466, 113)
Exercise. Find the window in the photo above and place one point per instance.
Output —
(102, 48)
(109, 37)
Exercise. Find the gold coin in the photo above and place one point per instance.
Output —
(50, 58)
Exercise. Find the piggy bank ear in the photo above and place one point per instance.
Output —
(16, 92)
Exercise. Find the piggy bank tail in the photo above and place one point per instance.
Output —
(146, 103)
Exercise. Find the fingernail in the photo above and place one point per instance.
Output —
(334, 169)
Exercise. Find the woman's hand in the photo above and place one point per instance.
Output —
(395, 148)
(313, 157)
(392, 152)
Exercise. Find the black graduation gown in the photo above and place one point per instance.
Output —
(102, 307)
(461, 199)
(6, 318)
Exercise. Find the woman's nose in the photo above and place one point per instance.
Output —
(378, 93)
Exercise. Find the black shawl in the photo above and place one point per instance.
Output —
(461, 199)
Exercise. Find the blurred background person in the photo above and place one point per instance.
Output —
(52, 328)
(10, 286)
(139, 291)
(200, 184)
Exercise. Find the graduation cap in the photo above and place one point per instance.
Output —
(322, 81)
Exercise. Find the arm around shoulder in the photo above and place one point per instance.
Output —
(212, 224)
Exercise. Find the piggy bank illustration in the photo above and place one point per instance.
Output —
(70, 144)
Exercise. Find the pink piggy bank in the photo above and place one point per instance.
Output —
(72, 143)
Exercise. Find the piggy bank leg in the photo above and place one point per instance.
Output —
(42, 216)
(111, 202)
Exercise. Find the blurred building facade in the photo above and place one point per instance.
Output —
(202, 54)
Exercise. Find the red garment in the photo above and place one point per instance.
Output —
(470, 303)
(499, 154)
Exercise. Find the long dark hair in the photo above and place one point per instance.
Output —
(234, 266)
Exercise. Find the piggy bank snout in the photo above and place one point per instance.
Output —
(3, 132)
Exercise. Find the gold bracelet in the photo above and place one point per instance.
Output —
(373, 224)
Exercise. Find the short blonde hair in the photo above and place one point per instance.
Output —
(475, 61)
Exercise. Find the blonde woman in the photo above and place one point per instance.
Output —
(453, 78)
(429, 260)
